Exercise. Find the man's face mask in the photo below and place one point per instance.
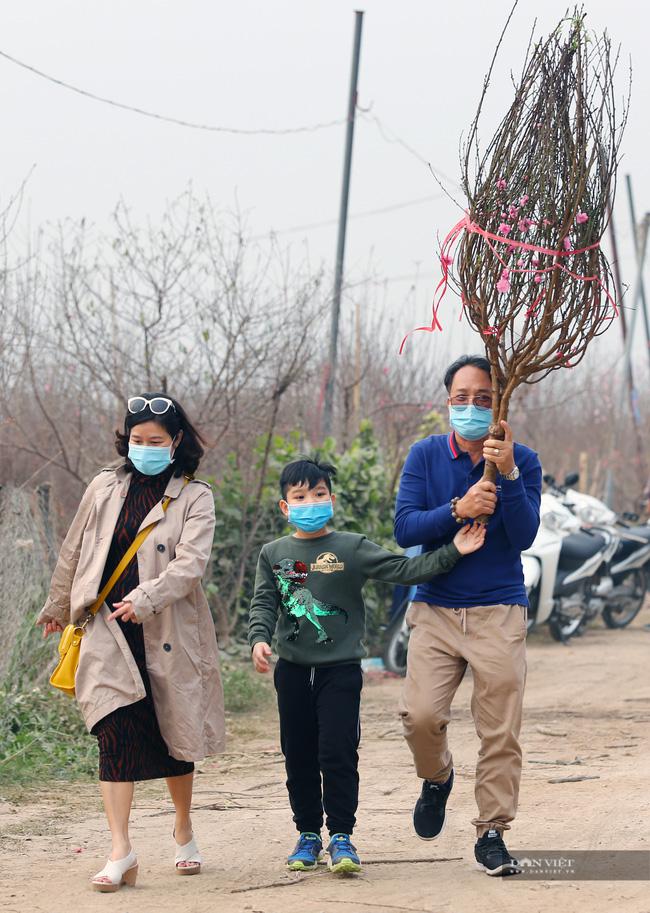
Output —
(471, 422)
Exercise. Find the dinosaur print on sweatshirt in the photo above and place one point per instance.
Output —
(299, 602)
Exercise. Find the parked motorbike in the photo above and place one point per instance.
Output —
(618, 589)
(561, 564)
(396, 638)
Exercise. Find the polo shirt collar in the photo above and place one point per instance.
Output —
(454, 449)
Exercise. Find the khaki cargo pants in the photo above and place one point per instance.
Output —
(491, 640)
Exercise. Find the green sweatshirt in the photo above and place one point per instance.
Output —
(315, 585)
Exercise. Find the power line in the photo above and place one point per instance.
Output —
(172, 120)
(386, 280)
(357, 215)
(390, 136)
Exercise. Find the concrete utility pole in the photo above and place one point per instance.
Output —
(343, 219)
(641, 246)
(616, 269)
(635, 237)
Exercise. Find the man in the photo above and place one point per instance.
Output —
(474, 615)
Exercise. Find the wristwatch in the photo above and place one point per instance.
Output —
(512, 476)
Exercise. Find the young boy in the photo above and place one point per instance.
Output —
(313, 581)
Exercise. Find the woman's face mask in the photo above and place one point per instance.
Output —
(149, 460)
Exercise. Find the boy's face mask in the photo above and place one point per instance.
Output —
(311, 517)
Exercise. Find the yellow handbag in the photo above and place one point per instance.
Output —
(63, 676)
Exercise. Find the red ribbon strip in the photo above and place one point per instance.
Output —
(446, 261)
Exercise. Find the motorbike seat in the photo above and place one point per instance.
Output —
(643, 531)
(578, 547)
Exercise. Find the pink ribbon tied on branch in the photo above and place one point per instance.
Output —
(466, 224)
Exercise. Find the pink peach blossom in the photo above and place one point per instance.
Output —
(546, 222)
(566, 243)
(524, 200)
(538, 277)
(582, 217)
(503, 285)
(524, 224)
(501, 184)
(504, 229)
(513, 211)
(520, 262)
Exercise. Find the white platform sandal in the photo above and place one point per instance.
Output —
(117, 872)
(188, 859)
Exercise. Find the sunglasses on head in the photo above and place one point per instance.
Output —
(158, 405)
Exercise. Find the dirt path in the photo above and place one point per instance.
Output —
(589, 700)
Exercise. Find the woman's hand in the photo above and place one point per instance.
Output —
(50, 627)
(261, 653)
(470, 538)
(123, 610)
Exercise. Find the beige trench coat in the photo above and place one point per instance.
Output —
(180, 642)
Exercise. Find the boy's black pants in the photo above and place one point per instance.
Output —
(319, 734)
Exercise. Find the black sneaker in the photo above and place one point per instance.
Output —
(492, 855)
(429, 811)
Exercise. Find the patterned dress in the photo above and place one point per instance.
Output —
(130, 744)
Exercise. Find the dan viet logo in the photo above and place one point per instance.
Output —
(327, 563)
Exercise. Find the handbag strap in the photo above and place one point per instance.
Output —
(127, 557)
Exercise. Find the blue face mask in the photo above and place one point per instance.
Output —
(310, 517)
(471, 422)
(150, 461)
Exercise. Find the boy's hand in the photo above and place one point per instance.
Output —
(470, 538)
(261, 653)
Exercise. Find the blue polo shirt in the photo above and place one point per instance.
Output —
(435, 471)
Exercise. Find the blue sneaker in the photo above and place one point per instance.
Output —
(343, 856)
(306, 853)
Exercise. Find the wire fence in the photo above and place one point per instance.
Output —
(26, 550)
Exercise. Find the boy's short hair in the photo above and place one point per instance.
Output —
(306, 472)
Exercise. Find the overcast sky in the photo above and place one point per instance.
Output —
(277, 64)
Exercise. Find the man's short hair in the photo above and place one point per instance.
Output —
(476, 361)
(306, 472)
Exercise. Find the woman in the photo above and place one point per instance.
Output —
(148, 680)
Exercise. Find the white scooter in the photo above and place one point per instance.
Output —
(619, 587)
(561, 565)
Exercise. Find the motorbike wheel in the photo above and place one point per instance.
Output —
(565, 626)
(533, 605)
(620, 613)
(397, 642)
(562, 629)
